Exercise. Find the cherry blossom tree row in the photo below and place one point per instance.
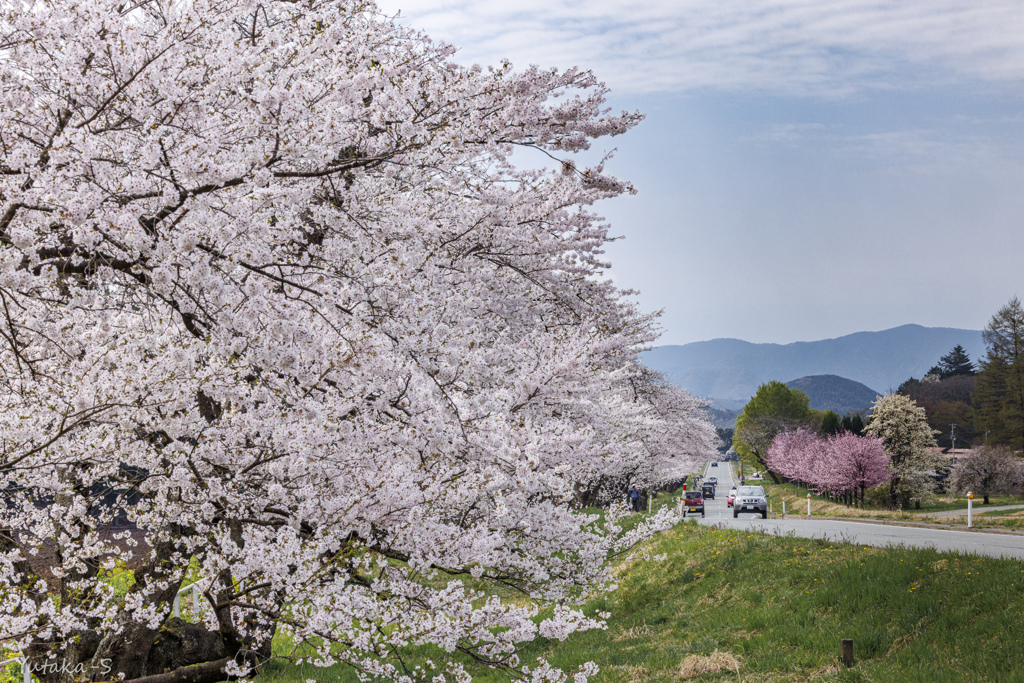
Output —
(838, 465)
(276, 304)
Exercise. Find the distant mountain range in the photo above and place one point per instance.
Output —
(730, 370)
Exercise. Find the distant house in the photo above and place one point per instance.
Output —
(953, 457)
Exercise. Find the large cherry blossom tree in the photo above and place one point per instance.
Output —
(279, 314)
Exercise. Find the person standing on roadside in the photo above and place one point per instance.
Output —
(634, 498)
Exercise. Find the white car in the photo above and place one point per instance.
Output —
(750, 499)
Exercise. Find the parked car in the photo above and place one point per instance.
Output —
(714, 464)
(693, 502)
(708, 489)
(731, 497)
(750, 499)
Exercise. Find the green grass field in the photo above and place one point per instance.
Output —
(750, 607)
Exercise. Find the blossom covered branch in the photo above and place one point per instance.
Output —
(277, 303)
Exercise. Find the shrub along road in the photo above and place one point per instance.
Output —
(865, 533)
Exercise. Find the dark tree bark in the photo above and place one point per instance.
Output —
(209, 672)
(180, 644)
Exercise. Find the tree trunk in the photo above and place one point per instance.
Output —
(173, 652)
(894, 486)
(210, 672)
(771, 474)
(127, 649)
(180, 643)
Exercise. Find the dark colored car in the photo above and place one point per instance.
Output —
(708, 489)
(714, 464)
(693, 502)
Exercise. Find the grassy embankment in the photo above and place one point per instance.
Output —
(757, 608)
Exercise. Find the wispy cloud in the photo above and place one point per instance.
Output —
(795, 47)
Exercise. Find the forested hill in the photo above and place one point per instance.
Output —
(733, 369)
(831, 392)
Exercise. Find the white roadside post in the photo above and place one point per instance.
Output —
(194, 589)
(808, 505)
(26, 671)
(783, 508)
(970, 509)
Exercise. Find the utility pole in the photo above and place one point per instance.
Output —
(952, 435)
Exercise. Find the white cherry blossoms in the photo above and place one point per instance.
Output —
(278, 313)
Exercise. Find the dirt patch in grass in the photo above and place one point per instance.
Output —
(634, 674)
(642, 631)
(698, 665)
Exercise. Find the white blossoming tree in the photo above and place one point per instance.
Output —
(903, 428)
(664, 432)
(279, 314)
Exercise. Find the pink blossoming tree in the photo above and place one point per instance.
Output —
(852, 464)
(278, 314)
(793, 454)
(840, 465)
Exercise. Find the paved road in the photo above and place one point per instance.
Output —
(717, 509)
(865, 533)
(950, 514)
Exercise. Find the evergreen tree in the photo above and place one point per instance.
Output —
(725, 436)
(909, 386)
(831, 423)
(999, 392)
(853, 423)
(956, 362)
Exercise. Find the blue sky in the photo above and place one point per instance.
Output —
(806, 169)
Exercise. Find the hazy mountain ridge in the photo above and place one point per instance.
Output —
(733, 369)
(838, 394)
